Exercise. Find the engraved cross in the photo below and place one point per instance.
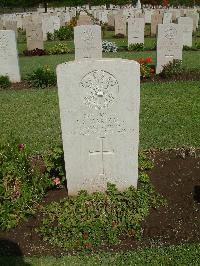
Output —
(102, 152)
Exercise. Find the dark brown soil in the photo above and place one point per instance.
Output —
(176, 176)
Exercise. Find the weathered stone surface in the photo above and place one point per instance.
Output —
(169, 44)
(9, 65)
(155, 20)
(99, 108)
(34, 36)
(136, 30)
(87, 40)
(187, 25)
(120, 24)
(167, 18)
(84, 20)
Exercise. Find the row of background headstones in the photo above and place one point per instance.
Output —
(50, 22)
(88, 39)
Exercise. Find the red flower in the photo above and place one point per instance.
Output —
(148, 60)
(21, 147)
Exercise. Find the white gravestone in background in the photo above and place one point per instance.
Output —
(47, 25)
(169, 44)
(167, 18)
(120, 24)
(34, 36)
(99, 108)
(187, 24)
(56, 22)
(136, 30)
(155, 20)
(9, 65)
(87, 41)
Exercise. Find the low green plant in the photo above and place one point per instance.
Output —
(172, 69)
(42, 77)
(136, 47)
(22, 185)
(54, 163)
(87, 220)
(4, 82)
(60, 48)
(50, 36)
(197, 45)
(64, 33)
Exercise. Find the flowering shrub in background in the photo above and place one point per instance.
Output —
(60, 48)
(146, 70)
(109, 47)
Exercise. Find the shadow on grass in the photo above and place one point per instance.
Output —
(11, 254)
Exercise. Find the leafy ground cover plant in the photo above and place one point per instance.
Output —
(42, 77)
(109, 47)
(89, 220)
(35, 52)
(22, 185)
(136, 47)
(172, 69)
(60, 48)
(64, 33)
(4, 82)
(55, 165)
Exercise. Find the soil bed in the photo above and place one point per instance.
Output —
(176, 175)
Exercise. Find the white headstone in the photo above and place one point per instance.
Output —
(47, 25)
(120, 24)
(136, 31)
(167, 18)
(9, 65)
(99, 108)
(147, 16)
(88, 42)
(138, 5)
(56, 22)
(155, 20)
(34, 36)
(169, 44)
(187, 24)
(11, 25)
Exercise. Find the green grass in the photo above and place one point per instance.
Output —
(169, 116)
(191, 59)
(174, 255)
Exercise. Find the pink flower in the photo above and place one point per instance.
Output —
(56, 181)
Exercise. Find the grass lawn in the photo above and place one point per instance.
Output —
(191, 59)
(174, 255)
(169, 116)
